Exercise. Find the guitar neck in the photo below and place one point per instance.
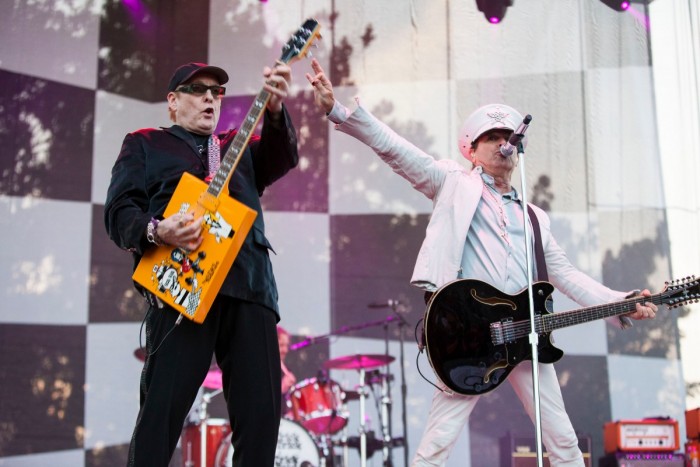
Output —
(565, 319)
(295, 48)
(240, 141)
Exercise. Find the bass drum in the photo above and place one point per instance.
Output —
(295, 447)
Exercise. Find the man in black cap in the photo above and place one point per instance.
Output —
(240, 328)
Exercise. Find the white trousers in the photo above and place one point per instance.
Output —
(449, 413)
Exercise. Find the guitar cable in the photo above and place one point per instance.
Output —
(420, 341)
(143, 322)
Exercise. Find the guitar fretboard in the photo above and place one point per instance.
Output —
(564, 319)
(240, 141)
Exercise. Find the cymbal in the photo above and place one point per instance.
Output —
(357, 361)
(213, 380)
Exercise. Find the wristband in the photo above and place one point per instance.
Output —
(152, 232)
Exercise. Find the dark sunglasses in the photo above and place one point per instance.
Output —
(201, 89)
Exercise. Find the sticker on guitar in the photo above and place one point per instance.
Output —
(179, 268)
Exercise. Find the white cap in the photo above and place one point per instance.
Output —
(487, 118)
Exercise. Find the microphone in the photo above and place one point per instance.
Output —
(516, 137)
(305, 343)
(387, 304)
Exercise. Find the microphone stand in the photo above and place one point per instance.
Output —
(402, 323)
(533, 336)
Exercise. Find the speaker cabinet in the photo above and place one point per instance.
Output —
(521, 451)
(692, 423)
(641, 459)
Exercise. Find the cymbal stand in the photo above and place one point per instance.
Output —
(386, 421)
(363, 428)
(346, 449)
(204, 418)
(386, 405)
(324, 442)
(203, 424)
(402, 322)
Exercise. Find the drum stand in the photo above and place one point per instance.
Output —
(203, 419)
(363, 431)
(386, 422)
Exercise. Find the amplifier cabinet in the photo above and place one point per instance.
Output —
(649, 459)
(647, 435)
(692, 423)
(521, 451)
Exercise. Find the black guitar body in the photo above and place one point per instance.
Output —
(458, 334)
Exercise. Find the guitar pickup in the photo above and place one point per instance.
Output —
(502, 332)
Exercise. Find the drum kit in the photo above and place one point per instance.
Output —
(322, 407)
(314, 427)
(314, 430)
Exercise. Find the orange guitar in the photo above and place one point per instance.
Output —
(189, 281)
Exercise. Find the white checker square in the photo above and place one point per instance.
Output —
(622, 139)
(359, 181)
(51, 41)
(302, 269)
(47, 275)
(112, 376)
(70, 458)
(115, 116)
(646, 387)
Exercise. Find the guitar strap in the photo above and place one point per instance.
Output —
(539, 256)
(539, 251)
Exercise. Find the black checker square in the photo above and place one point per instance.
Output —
(42, 395)
(46, 132)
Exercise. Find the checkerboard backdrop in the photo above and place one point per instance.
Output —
(77, 76)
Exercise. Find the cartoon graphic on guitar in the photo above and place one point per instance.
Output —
(189, 281)
(475, 334)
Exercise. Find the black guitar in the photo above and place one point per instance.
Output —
(475, 334)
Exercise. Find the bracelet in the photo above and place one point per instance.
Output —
(152, 232)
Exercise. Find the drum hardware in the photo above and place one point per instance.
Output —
(374, 444)
(361, 362)
(295, 446)
(211, 433)
(397, 309)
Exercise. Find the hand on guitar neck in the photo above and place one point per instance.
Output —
(181, 230)
(643, 311)
(277, 81)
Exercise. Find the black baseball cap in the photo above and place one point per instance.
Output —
(186, 72)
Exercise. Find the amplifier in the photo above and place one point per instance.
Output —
(692, 423)
(647, 435)
(521, 451)
(692, 453)
(638, 459)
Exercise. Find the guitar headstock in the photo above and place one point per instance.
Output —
(681, 292)
(298, 45)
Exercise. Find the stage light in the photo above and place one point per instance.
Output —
(494, 10)
(617, 5)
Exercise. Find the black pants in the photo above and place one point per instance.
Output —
(243, 337)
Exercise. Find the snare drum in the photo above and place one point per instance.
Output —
(294, 447)
(317, 405)
(217, 431)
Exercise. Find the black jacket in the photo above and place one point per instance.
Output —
(148, 169)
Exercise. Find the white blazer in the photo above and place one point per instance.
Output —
(455, 192)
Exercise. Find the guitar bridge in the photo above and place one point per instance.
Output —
(502, 332)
